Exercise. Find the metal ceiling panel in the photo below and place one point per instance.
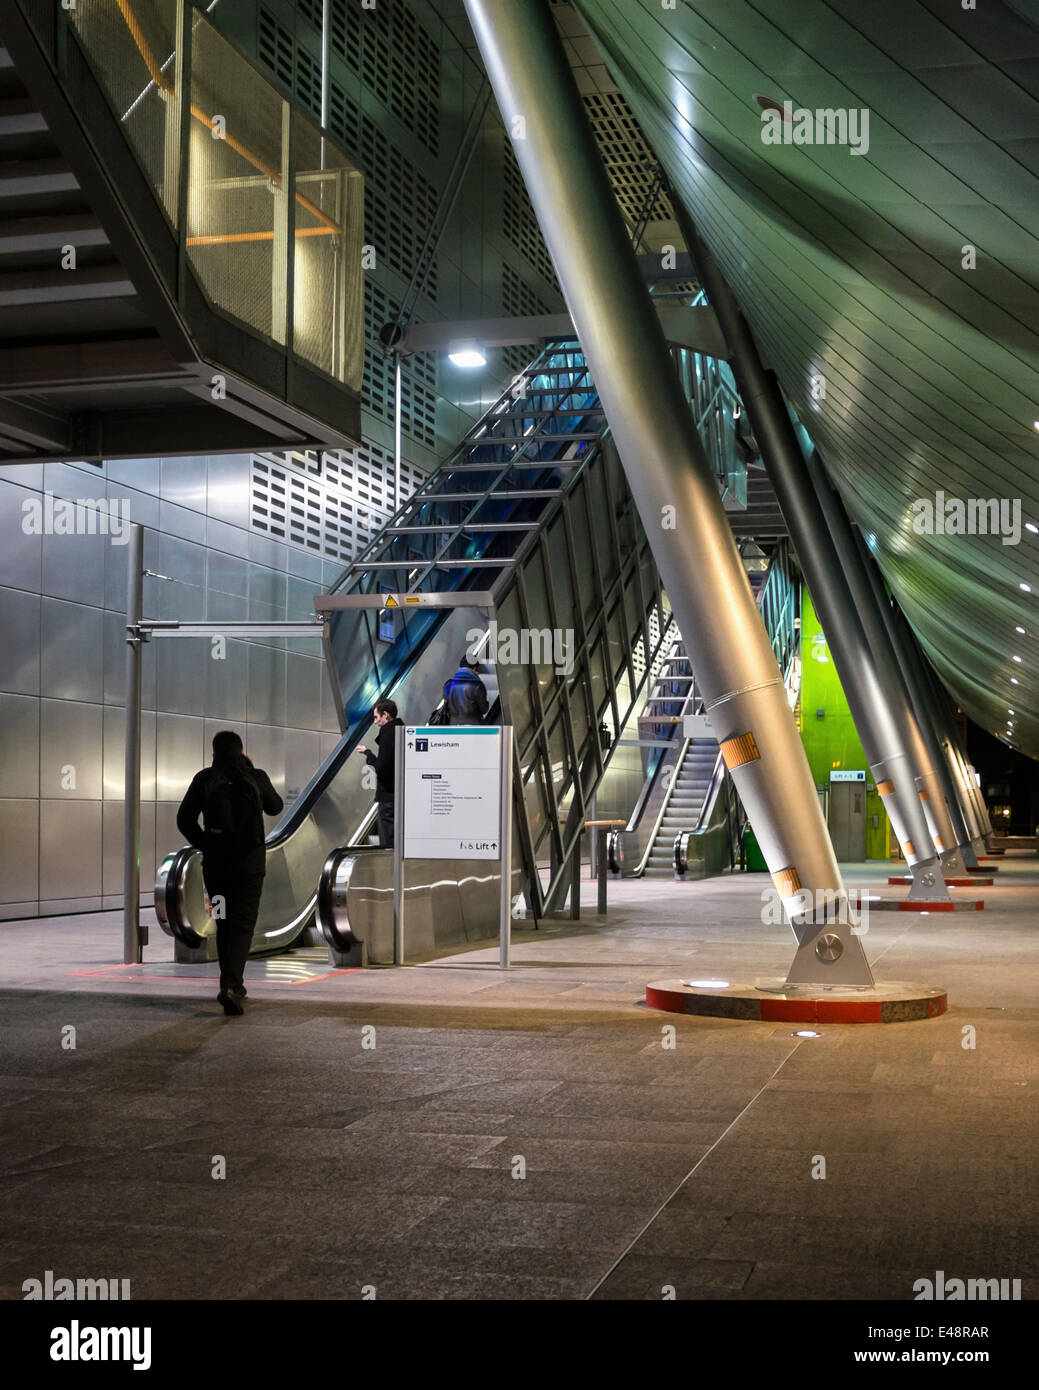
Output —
(850, 267)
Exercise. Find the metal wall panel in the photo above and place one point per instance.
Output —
(303, 757)
(303, 678)
(228, 540)
(21, 552)
(227, 574)
(185, 565)
(227, 489)
(70, 748)
(112, 849)
(182, 664)
(137, 473)
(19, 862)
(266, 593)
(180, 752)
(226, 679)
(183, 481)
(114, 768)
(20, 735)
(70, 849)
(265, 700)
(20, 645)
(182, 522)
(74, 567)
(72, 651)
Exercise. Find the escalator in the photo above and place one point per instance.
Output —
(529, 532)
(688, 818)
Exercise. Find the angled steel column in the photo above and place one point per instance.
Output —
(670, 478)
(864, 581)
(972, 801)
(926, 786)
(868, 685)
(907, 650)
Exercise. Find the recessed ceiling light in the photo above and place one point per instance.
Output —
(1014, 680)
(1017, 659)
(771, 104)
(1010, 711)
(1031, 526)
(1027, 588)
(1020, 630)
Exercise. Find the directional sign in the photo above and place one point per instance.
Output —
(847, 776)
(452, 792)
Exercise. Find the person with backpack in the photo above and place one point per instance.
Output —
(384, 760)
(232, 797)
(465, 695)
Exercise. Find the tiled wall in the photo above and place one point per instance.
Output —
(63, 663)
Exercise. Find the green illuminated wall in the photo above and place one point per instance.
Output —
(831, 741)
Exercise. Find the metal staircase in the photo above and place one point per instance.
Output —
(689, 788)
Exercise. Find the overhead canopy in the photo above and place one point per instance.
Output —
(894, 289)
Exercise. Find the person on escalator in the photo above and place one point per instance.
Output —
(384, 760)
(231, 796)
(465, 695)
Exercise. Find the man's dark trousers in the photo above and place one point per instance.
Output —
(386, 824)
(240, 906)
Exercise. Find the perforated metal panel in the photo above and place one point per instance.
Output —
(630, 162)
(332, 503)
(418, 401)
(396, 58)
(517, 217)
(392, 183)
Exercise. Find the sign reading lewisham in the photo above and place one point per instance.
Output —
(452, 792)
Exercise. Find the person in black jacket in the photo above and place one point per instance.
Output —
(384, 760)
(231, 796)
(466, 695)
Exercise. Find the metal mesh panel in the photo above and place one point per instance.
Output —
(132, 49)
(327, 263)
(237, 234)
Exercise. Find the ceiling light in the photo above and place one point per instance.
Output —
(467, 355)
(1031, 526)
(1020, 630)
(1010, 711)
(1014, 680)
(1027, 588)
(1017, 659)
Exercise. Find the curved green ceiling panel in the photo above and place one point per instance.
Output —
(911, 358)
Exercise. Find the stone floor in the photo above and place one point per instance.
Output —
(523, 1134)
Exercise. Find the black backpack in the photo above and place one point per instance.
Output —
(233, 815)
